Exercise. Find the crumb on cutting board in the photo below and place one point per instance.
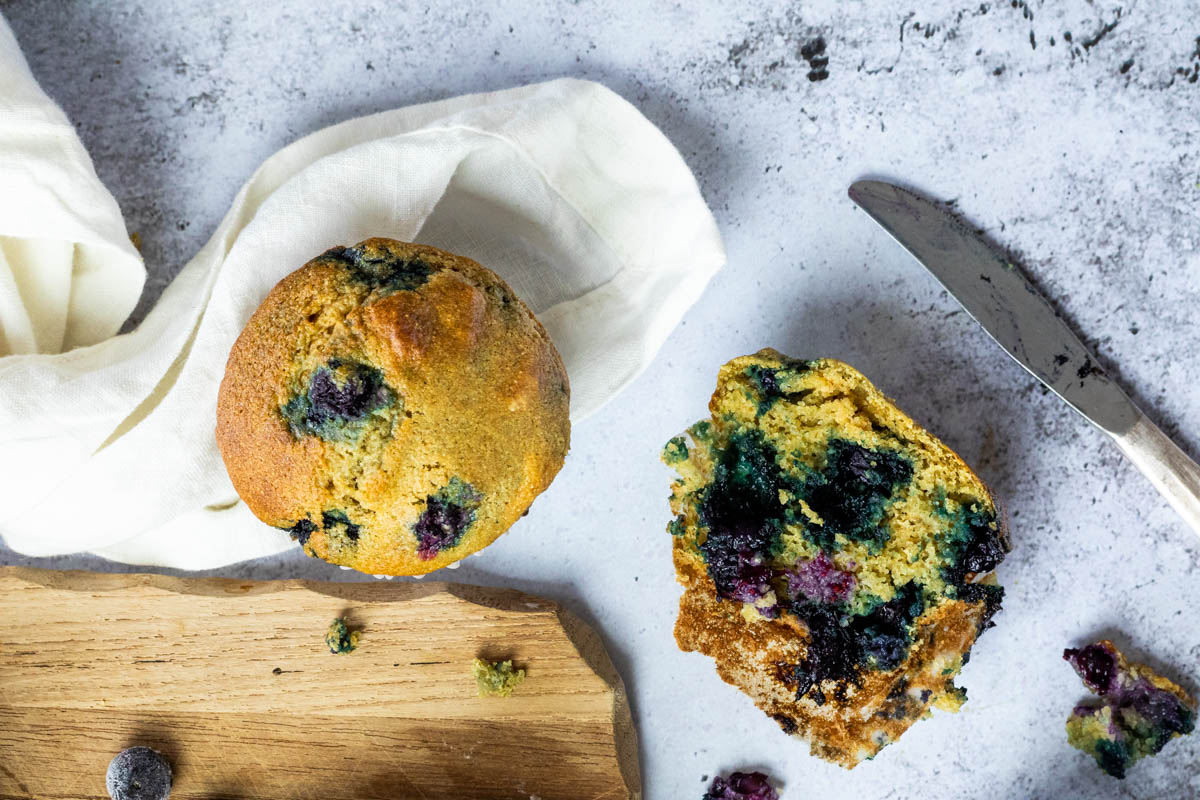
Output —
(340, 638)
(496, 678)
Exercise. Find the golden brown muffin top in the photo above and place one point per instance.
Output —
(395, 406)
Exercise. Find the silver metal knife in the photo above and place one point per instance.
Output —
(1014, 313)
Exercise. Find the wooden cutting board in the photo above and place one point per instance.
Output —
(233, 682)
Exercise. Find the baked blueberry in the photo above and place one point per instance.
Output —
(337, 400)
(384, 269)
(447, 516)
(741, 786)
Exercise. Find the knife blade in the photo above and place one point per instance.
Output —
(1021, 320)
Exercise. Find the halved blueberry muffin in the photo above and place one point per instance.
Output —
(835, 556)
(393, 406)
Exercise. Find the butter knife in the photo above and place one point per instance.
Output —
(1014, 313)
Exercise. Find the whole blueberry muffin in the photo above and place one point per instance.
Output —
(1137, 713)
(393, 406)
(834, 555)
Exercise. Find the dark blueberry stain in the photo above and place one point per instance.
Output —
(1128, 65)
(813, 51)
(1087, 369)
(985, 278)
(379, 269)
(851, 492)
(338, 396)
(744, 517)
(447, 515)
(301, 531)
(1061, 359)
(336, 523)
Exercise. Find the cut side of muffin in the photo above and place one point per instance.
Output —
(834, 555)
(394, 407)
(1138, 711)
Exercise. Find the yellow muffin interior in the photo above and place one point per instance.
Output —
(817, 504)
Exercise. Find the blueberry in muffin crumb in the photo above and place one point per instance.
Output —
(340, 638)
(496, 678)
(138, 773)
(1138, 711)
(741, 786)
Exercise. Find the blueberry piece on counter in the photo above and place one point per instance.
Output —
(741, 786)
(138, 773)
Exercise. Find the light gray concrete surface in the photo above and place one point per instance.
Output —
(1068, 131)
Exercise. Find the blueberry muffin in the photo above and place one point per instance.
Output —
(835, 556)
(1138, 712)
(393, 406)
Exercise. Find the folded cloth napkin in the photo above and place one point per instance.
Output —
(107, 443)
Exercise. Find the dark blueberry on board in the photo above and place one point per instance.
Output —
(138, 773)
(338, 398)
(447, 515)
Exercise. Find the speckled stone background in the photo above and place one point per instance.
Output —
(1068, 130)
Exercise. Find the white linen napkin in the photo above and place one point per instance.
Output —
(106, 442)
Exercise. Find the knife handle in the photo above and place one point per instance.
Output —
(1174, 475)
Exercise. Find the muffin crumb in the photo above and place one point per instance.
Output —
(340, 638)
(1138, 711)
(496, 678)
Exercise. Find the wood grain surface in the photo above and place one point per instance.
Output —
(233, 682)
